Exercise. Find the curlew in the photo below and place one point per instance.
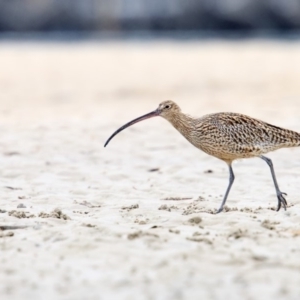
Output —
(227, 136)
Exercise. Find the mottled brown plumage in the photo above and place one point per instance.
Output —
(227, 136)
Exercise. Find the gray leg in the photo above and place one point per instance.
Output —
(281, 199)
(231, 180)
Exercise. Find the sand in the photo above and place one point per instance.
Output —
(134, 220)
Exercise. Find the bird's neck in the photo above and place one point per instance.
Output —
(183, 123)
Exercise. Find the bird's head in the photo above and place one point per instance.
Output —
(167, 109)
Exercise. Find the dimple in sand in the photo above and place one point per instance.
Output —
(227, 136)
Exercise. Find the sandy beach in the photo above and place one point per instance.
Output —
(135, 220)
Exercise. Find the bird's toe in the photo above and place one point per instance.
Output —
(281, 200)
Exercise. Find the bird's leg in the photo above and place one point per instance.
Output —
(280, 195)
(231, 180)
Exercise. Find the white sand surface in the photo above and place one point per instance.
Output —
(118, 237)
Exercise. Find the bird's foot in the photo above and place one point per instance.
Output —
(281, 200)
(219, 210)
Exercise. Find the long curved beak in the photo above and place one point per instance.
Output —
(152, 114)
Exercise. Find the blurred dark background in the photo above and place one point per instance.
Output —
(152, 15)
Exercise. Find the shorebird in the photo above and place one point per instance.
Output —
(227, 136)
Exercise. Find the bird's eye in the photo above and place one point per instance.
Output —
(167, 106)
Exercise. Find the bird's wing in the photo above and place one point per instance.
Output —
(247, 131)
